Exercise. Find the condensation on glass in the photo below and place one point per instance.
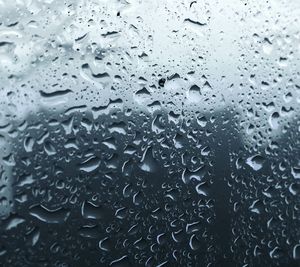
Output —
(149, 133)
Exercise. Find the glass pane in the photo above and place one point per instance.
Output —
(149, 133)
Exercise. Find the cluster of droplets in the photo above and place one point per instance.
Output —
(149, 133)
(130, 186)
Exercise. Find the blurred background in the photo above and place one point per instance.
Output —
(149, 133)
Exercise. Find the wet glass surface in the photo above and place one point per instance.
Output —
(149, 133)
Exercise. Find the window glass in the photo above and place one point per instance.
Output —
(149, 133)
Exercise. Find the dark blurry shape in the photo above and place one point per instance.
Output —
(96, 205)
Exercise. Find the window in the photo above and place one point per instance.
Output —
(149, 133)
